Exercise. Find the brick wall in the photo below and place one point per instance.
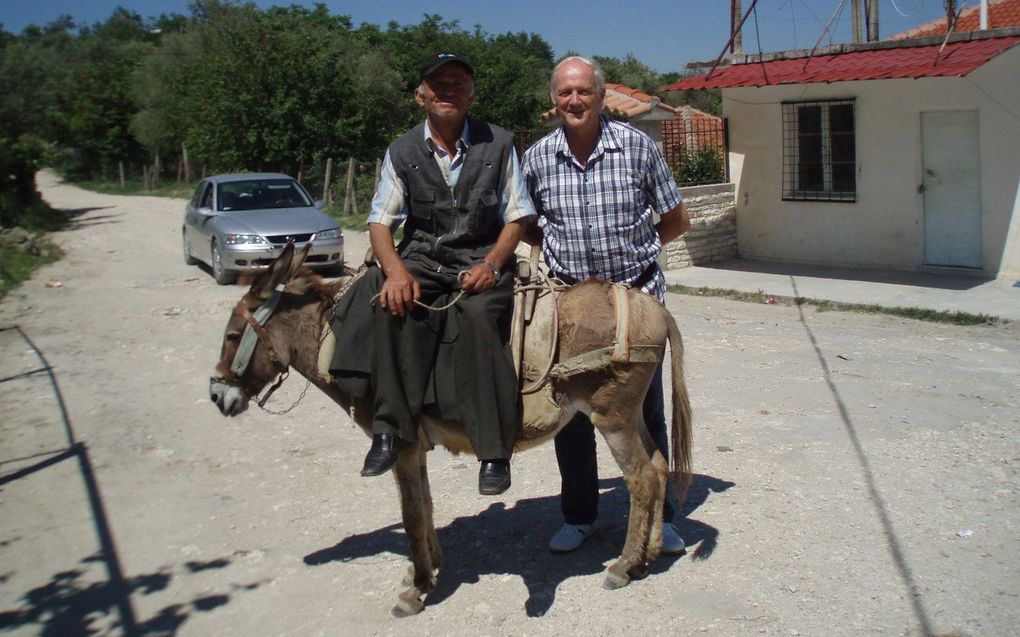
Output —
(713, 233)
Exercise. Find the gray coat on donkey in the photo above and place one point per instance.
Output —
(285, 316)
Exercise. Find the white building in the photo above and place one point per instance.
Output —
(901, 154)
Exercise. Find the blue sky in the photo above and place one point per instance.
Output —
(663, 35)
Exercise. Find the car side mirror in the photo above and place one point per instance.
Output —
(320, 204)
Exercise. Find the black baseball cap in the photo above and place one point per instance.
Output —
(432, 63)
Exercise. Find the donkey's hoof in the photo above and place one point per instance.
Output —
(614, 581)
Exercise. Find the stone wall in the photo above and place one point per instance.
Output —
(713, 233)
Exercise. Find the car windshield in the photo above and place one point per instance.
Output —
(259, 194)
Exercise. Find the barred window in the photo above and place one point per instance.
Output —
(819, 157)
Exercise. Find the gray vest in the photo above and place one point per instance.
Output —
(452, 227)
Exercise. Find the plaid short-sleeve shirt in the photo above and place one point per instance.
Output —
(597, 219)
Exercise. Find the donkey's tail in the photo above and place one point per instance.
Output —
(681, 469)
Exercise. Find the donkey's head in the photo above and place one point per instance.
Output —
(248, 357)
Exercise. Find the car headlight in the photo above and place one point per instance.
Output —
(335, 233)
(244, 239)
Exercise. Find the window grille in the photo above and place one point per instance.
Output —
(819, 151)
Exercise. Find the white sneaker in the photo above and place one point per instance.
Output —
(570, 537)
(672, 543)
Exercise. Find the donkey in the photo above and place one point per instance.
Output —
(286, 310)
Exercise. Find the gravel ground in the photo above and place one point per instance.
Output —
(856, 475)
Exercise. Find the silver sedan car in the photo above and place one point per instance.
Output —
(241, 222)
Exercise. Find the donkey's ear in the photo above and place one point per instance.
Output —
(264, 286)
(299, 259)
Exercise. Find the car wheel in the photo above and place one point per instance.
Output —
(220, 273)
(186, 245)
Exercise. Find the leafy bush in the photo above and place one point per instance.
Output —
(703, 165)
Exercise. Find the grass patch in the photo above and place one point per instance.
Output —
(17, 263)
(136, 187)
(349, 221)
(916, 313)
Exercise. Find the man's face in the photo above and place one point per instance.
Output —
(576, 99)
(447, 94)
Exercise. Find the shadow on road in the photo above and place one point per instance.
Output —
(512, 541)
(75, 601)
(893, 542)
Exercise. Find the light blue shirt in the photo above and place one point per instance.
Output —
(390, 205)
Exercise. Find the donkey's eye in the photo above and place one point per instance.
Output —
(233, 338)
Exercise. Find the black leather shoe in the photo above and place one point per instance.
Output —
(382, 455)
(493, 477)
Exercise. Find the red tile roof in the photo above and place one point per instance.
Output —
(879, 63)
(1001, 13)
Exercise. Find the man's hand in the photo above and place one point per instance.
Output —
(399, 292)
(478, 279)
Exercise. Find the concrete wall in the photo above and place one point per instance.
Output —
(713, 233)
(885, 227)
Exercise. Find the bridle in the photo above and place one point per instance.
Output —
(255, 332)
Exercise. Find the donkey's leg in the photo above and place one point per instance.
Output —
(644, 471)
(435, 551)
(416, 509)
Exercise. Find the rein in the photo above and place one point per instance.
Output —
(434, 308)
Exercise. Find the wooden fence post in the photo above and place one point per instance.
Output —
(120, 167)
(350, 199)
(187, 164)
(327, 192)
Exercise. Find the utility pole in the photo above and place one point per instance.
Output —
(950, 15)
(871, 14)
(856, 4)
(736, 47)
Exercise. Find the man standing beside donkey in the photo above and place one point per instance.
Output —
(595, 184)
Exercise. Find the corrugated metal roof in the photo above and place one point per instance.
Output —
(1001, 13)
(957, 59)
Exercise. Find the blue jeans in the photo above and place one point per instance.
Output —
(579, 473)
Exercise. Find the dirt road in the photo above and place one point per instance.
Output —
(857, 475)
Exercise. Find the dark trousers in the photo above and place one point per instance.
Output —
(454, 363)
(579, 472)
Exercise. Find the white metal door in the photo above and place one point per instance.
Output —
(952, 188)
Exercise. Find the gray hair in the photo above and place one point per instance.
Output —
(600, 78)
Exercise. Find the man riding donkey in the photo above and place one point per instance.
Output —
(454, 182)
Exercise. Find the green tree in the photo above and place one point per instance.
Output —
(28, 66)
(630, 72)
(272, 89)
(94, 106)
